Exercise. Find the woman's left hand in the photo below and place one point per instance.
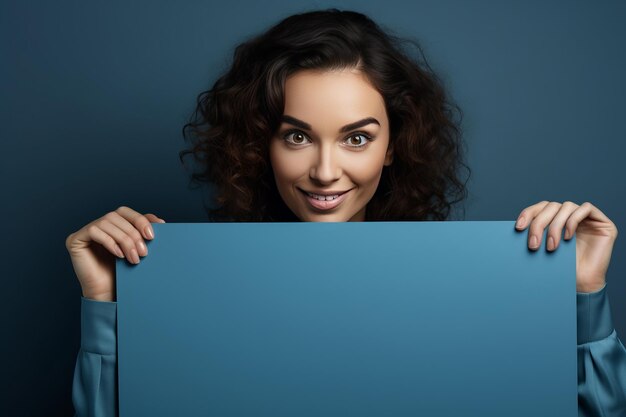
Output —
(595, 235)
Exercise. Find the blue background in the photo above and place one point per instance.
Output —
(94, 97)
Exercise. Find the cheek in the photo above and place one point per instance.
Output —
(366, 171)
(287, 166)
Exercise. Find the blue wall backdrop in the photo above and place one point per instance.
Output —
(94, 96)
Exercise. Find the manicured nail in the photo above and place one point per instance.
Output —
(566, 236)
(144, 249)
(134, 255)
(534, 242)
(118, 251)
(520, 222)
(148, 231)
(550, 243)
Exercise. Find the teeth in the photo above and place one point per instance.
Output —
(322, 197)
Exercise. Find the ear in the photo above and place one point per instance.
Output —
(389, 156)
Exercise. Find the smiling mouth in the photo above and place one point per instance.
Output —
(326, 196)
(324, 202)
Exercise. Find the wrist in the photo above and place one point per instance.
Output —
(99, 296)
(589, 288)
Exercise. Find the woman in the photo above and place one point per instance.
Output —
(324, 117)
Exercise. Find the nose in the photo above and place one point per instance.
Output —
(326, 168)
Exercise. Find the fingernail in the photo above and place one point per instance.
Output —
(118, 251)
(533, 242)
(144, 249)
(135, 256)
(520, 222)
(550, 243)
(148, 231)
(566, 236)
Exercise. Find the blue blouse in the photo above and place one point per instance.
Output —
(601, 360)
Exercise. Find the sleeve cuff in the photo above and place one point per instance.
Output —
(594, 320)
(98, 326)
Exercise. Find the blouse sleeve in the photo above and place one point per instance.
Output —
(601, 358)
(94, 389)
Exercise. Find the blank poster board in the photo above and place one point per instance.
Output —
(347, 319)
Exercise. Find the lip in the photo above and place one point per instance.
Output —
(325, 205)
(326, 193)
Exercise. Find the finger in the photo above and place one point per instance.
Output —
(154, 218)
(138, 220)
(149, 230)
(126, 242)
(585, 210)
(539, 223)
(557, 224)
(100, 236)
(127, 236)
(529, 213)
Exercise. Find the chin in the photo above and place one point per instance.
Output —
(321, 218)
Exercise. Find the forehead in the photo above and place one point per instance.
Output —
(348, 93)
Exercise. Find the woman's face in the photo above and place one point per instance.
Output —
(333, 141)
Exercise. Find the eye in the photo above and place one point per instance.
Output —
(297, 139)
(366, 138)
(357, 140)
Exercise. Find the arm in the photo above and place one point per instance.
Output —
(94, 390)
(601, 358)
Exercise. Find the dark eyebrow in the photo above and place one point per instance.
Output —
(346, 128)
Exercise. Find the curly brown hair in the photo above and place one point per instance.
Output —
(234, 121)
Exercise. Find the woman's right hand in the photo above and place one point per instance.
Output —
(94, 247)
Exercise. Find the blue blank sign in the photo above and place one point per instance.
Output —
(347, 319)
